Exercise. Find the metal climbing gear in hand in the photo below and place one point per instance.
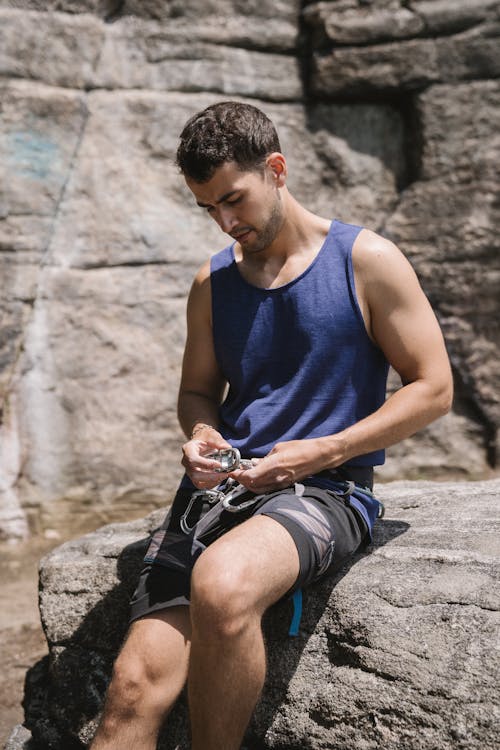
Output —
(230, 460)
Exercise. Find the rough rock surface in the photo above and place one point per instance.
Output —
(20, 739)
(398, 650)
(388, 112)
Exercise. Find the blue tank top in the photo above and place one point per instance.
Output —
(297, 358)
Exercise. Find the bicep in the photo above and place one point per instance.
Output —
(403, 323)
(200, 370)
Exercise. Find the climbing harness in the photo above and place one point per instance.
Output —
(215, 510)
(351, 486)
(222, 498)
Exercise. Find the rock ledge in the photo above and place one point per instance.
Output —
(398, 653)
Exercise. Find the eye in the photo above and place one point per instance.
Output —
(234, 200)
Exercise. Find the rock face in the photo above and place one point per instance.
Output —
(388, 114)
(396, 651)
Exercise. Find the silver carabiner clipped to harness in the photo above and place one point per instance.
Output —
(234, 492)
(212, 496)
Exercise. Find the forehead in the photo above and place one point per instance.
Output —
(226, 179)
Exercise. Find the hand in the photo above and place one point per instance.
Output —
(201, 470)
(287, 463)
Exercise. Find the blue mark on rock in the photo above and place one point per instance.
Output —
(32, 155)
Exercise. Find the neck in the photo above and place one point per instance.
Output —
(301, 232)
(295, 246)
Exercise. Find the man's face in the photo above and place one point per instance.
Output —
(246, 205)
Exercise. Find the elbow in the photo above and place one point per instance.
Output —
(444, 397)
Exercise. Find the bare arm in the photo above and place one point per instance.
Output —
(202, 387)
(401, 322)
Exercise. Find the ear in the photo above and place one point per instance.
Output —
(277, 167)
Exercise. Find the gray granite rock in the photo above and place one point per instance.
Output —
(448, 16)
(397, 650)
(450, 212)
(358, 49)
(353, 23)
(19, 739)
(355, 72)
(134, 53)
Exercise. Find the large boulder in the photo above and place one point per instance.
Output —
(395, 651)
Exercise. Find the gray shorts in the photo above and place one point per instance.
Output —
(326, 530)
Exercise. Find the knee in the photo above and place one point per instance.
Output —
(129, 687)
(221, 602)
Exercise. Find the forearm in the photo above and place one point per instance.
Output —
(407, 411)
(198, 417)
(194, 408)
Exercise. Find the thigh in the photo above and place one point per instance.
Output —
(326, 530)
(257, 559)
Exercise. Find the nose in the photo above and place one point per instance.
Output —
(226, 218)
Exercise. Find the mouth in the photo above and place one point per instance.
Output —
(241, 236)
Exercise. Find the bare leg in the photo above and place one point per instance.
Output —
(148, 676)
(234, 581)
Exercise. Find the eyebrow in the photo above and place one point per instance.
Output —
(221, 200)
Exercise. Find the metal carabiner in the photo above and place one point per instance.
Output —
(229, 459)
(232, 495)
(212, 497)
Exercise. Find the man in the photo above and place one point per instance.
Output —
(290, 332)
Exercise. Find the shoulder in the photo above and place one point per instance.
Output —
(201, 281)
(208, 274)
(379, 264)
(218, 261)
(202, 274)
(370, 247)
(199, 300)
(387, 287)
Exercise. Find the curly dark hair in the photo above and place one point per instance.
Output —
(223, 132)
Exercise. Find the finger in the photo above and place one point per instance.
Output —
(238, 474)
(202, 465)
(217, 442)
(205, 481)
(268, 481)
(208, 464)
(260, 467)
(193, 456)
(257, 481)
(202, 447)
